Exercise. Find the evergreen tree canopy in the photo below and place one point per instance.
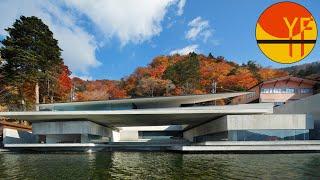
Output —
(31, 55)
(185, 73)
(30, 51)
(210, 56)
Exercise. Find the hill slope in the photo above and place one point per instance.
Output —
(178, 75)
(309, 70)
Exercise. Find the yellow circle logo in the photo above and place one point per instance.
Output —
(286, 32)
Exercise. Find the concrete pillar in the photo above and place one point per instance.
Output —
(115, 136)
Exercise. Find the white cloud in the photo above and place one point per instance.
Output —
(85, 78)
(181, 5)
(78, 45)
(130, 21)
(199, 28)
(185, 50)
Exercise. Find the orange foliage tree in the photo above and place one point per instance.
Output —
(64, 84)
(229, 75)
(97, 90)
(178, 75)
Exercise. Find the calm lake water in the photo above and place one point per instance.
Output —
(158, 165)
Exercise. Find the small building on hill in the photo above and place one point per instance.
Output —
(278, 91)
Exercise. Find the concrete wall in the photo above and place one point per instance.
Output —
(309, 105)
(218, 125)
(13, 136)
(129, 135)
(245, 122)
(283, 121)
(70, 127)
(63, 138)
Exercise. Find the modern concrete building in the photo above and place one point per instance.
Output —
(278, 91)
(309, 106)
(161, 121)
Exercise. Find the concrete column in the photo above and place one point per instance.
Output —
(115, 136)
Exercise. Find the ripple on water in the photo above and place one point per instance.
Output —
(158, 165)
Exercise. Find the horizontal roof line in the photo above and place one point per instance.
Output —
(152, 99)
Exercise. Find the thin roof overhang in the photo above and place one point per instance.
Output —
(144, 117)
(156, 102)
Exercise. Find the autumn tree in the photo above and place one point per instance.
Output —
(254, 68)
(179, 75)
(64, 85)
(212, 71)
(242, 80)
(153, 87)
(268, 73)
(97, 90)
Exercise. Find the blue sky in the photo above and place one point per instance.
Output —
(109, 39)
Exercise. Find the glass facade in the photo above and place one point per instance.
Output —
(159, 134)
(257, 135)
(286, 90)
(268, 135)
(314, 134)
(306, 90)
(91, 107)
(278, 103)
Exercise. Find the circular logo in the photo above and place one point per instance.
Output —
(286, 32)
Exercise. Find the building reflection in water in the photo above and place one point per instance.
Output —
(157, 165)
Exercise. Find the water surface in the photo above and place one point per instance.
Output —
(158, 165)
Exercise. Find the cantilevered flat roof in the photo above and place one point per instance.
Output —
(144, 117)
(170, 101)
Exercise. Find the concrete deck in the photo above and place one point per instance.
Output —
(87, 147)
(251, 147)
(206, 147)
(4, 150)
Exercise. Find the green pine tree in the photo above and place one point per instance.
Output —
(31, 55)
(210, 56)
(185, 73)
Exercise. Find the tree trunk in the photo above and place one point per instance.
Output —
(37, 96)
(21, 94)
(23, 103)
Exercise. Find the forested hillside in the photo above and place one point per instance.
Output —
(178, 75)
(309, 70)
